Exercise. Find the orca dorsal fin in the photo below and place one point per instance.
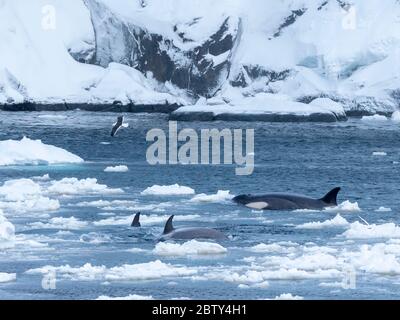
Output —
(331, 197)
(168, 226)
(135, 222)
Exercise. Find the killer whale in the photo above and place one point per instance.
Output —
(282, 201)
(136, 222)
(189, 233)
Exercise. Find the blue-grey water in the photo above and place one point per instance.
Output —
(298, 158)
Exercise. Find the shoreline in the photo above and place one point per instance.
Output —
(175, 115)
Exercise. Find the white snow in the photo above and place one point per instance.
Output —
(36, 63)
(121, 168)
(33, 152)
(328, 50)
(172, 190)
(220, 196)
(337, 221)
(265, 103)
(190, 248)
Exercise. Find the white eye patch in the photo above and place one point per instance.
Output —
(257, 205)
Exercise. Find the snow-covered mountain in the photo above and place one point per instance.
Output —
(225, 52)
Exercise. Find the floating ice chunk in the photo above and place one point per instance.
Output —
(61, 223)
(20, 189)
(171, 190)
(192, 247)
(383, 209)
(346, 206)
(33, 152)
(396, 116)
(94, 238)
(117, 169)
(7, 230)
(7, 277)
(379, 153)
(128, 272)
(288, 296)
(266, 248)
(337, 221)
(221, 195)
(375, 259)
(45, 177)
(359, 230)
(374, 118)
(23, 195)
(130, 297)
(261, 285)
(73, 186)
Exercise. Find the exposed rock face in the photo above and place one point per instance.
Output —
(201, 70)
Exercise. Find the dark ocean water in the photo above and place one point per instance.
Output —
(298, 158)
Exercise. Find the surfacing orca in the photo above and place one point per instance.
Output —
(278, 201)
(189, 233)
(136, 222)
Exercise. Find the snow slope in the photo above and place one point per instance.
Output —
(36, 62)
(117, 51)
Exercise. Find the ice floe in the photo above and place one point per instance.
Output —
(33, 152)
(7, 231)
(271, 248)
(374, 118)
(288, 296)
(220, 196)
(171, 190)
(128, 272)
(379, 153)
(396, 116)
(346, 206)
(61, 223)
(337, 221)
(121, 168)
(74, 186)
(7, 277)
(359, 230)
(383, 209)
(192, 247)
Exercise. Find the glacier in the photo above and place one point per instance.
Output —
(227, 57)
